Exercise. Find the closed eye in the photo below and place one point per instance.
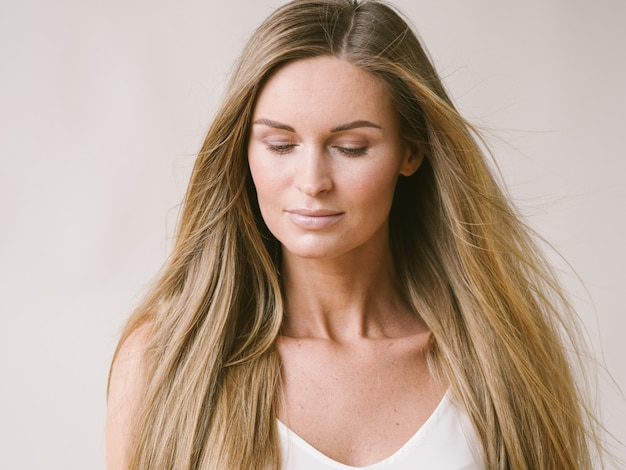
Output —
(280, 148)
(352, 151)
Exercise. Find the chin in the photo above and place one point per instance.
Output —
(314, 249)
(311, 254)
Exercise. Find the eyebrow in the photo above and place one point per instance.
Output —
(354, 125)
(274, 124)
(342, 127)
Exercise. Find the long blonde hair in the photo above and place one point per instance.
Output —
(467, 264)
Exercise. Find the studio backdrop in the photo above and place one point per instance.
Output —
(103, 105)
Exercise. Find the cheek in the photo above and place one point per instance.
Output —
(261, 176)
(376, 185)
(267, 183)
(267, 169)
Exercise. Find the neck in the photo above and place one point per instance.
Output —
(344, 299)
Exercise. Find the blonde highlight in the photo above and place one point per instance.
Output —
(468, 265)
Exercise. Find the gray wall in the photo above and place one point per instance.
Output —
(104, 103)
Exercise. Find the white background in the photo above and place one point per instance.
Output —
(104, 103)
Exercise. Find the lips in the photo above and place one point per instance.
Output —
(310, 219)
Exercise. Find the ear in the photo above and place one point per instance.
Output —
(412, 160)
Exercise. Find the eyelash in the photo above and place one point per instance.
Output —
(348, 151)
(280, 148)
(352, 151)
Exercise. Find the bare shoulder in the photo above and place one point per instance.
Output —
(127, 385)
(129, 357)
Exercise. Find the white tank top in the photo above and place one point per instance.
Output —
(446, 441)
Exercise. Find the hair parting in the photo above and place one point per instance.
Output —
(468, 265)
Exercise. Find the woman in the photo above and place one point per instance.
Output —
(349, 286)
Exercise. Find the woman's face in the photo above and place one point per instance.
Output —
(325, 153)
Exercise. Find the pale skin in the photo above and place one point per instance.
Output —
(325, 143)
(126, 389)
(325, 153)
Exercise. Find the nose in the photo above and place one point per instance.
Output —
(313, 175)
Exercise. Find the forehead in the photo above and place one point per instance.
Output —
(324, 88)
